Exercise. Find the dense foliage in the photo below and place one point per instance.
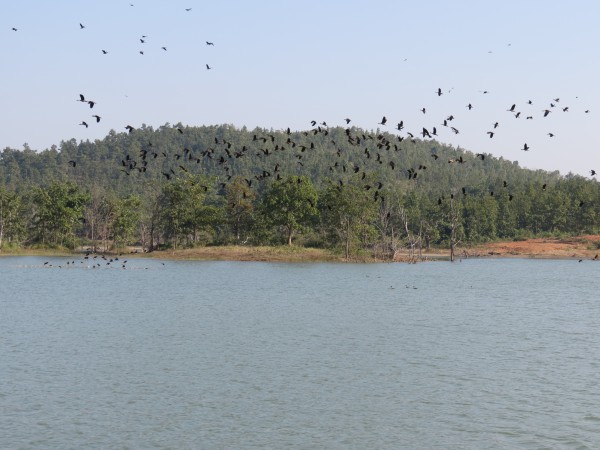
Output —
(344, 188)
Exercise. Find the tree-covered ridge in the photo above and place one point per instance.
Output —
(342, 187)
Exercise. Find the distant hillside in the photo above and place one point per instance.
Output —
(217, 151)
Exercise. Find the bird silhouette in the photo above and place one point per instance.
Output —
(84, 124)
(210, 43)
(81, 26)
(383, 121)
(525, 147)
(208, 67)
(97, 118)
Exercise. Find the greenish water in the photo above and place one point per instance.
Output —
(471, 355)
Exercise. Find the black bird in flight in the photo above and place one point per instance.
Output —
(129, 128)
(525, 147)
(164, 48)
(383, 121)
(546, 112)
(81, 98)
(91, 103)
(188, 9)
(84, 124)
(593, 173)
(81, 26)
(14, 29)
(439, 92)
(347, 121)
(512, 108)
(104, 52)
(208, 67)
(97, 117)
(210, 43)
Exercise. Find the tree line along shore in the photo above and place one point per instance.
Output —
(324, 193)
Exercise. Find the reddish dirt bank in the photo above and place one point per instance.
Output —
(580, 247)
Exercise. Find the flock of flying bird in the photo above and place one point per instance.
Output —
(140, 163)
(385, 141)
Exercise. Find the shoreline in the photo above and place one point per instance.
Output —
(580, 247)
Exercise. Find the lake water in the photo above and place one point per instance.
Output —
(217, 355)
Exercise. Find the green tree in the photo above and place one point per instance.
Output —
(126, 220)
(291, 205)
(11, 217)
(348, 215)
(185, 215)
(59, 211)
(239, 208)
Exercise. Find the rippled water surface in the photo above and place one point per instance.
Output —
(479, 354)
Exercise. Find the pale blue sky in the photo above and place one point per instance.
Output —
(279, 64)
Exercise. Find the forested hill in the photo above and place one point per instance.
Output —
(124, 161)
(353, 188)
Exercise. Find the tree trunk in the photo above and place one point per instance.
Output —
(347, 239)
(290, 231)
